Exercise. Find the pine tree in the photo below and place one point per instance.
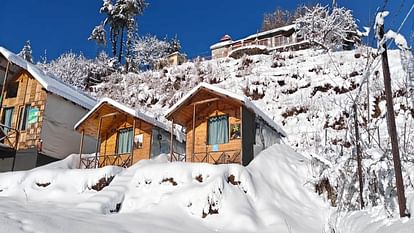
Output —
(26, 52)
(120, 17)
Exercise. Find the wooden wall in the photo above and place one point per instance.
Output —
(203, 113)
(108, 144)
(30, 91)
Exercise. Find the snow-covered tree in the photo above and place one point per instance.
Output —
(148, 51)
(98, 35)
(78, 71)
(26, 52)
(120, 17)
(325, 27)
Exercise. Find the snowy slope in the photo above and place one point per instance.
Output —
(310, 93)
(270, 195)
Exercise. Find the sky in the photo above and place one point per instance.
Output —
(55, 27)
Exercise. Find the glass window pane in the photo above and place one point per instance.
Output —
(218, 131)
(124, 141)
(7, 118)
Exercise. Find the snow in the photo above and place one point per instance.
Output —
(149, 119)
(259, 199)
(49, 83)
(232, 95)
(379, 18)
(399, 39)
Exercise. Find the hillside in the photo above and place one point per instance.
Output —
(310, 93)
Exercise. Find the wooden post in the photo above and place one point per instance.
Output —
(392, 131)
(172, 140)
(132, 142)
(241, 135)
(98, 142)
(359, 157)
(81, 147)
(3, 88)
(194, 122)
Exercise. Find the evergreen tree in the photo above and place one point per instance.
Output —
(120, 17)
(26, 52)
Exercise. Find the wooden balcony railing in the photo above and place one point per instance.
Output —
(218, 157)
(9, 136)
(122, 160)
(177, 157)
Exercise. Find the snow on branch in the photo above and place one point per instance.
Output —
(326, 27)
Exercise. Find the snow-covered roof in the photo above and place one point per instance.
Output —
(227, 42)
(131, 112)
(51, 84)
(280, 29)
(246, 101)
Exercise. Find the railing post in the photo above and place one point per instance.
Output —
(98, 136)
(132, 142)
(194, 121)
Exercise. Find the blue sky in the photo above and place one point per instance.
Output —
(58, 26)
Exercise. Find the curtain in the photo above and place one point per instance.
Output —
(124, 141)
(218, 130)
(8, 116)
(26, 117)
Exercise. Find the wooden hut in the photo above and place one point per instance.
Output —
(125, 136)
(223, 127)
(37, 115)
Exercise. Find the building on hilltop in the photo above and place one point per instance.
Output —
(282, 38)
(37, 115)
(223, 127)
(125, 136)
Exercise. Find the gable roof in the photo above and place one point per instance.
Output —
(135, 113)
(241, 98)
(51, 84)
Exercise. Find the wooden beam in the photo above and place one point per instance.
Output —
(110, 114)
(81, 147)
(98, 143)
(194, 121)
(241, 134)
(132, 142)
(172, 140)
(205, 101)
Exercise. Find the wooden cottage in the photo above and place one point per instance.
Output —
(223, 127)
(125, 136)
(37, 115)
(280, 39)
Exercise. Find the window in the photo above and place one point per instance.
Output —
(25, 117)
(218, 130)
(12, 88)
(139, 140)
(124, 143)
(7, 118)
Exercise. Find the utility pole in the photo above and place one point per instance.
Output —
(392, 131)
(359, 157)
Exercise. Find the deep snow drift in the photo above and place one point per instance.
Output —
(269, 195)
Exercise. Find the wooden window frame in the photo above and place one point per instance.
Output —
(228, 129)
(117, 140)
